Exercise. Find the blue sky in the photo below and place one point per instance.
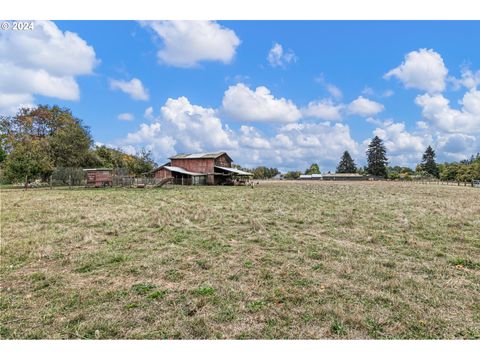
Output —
(275, 93)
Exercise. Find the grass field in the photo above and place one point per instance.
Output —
(282, 260)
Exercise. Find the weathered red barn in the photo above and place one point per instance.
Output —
(99, 177)
(199, 169)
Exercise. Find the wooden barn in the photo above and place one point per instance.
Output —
(101, 177)
(200, 169)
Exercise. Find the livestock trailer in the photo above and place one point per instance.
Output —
(102, 177)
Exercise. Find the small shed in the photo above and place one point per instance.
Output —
(100, 177)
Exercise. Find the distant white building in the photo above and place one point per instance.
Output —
(311, 177)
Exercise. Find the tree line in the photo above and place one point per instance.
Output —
(377, 166)
(36, 142)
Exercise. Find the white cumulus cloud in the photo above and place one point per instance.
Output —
(458, 146)
(182, 127)
(185, 127)
(324, 110)
(468, 79)
(244, 104)
(365, 107)
(45, 61)
(423, 69)
(436, 109)
(134, 88)
(186, 43)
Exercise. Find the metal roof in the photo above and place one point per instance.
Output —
(312, 176)
(344, 175)
(98, 169)
(183, 171)
(205, 155)
(235, 171)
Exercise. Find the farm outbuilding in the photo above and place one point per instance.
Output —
(100, 177)
(344, 176)
(335, 176)
(200, 169)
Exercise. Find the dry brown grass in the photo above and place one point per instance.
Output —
(282, 260)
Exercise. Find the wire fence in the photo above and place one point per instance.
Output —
(472, 183)
(72, 177)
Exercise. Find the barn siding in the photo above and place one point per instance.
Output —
(203, 166)
(223, 160)
(198, 165)
(163, 173)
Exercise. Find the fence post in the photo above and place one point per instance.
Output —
(70, 181)
(50, 182)
(26, 182)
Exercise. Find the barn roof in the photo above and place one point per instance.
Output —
(182, 171)
(235, 171)
(205, 155)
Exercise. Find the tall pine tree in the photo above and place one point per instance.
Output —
(346, 165)
(428, 162)
(377, 158)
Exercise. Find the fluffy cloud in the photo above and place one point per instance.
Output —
(44, 61)
(437, 110)
(134, 88)
(244, 104)
(125, 117)
(468, 79)
(10, 103)
(423, 69)
(364, 107)
(278, 58)
(399, 141)
(324, 110)
(404, 148)
(186, 43)
(295, 146)
(182, 127)
(251, 138)
(457, 146)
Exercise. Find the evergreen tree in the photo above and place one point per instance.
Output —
(428, 162)
(377, 158)
(346, 165)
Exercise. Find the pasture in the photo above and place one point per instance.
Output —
(284, 260)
